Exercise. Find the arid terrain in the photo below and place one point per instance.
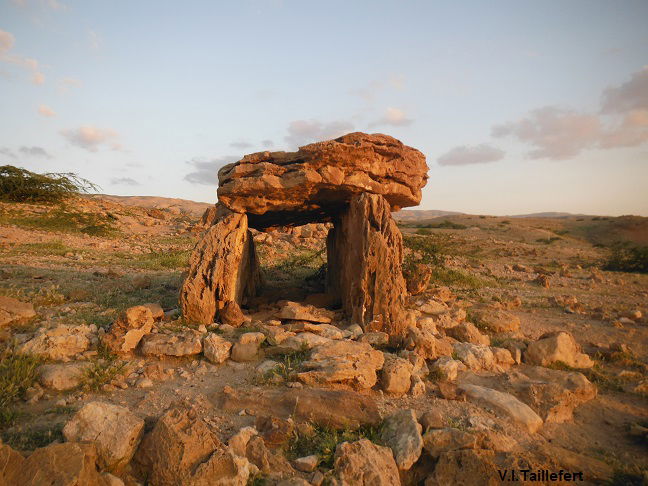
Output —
(539, 356)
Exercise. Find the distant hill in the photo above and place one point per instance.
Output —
(192, 207)
(414, 215)
(548, 214)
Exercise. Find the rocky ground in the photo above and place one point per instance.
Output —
(521, 354)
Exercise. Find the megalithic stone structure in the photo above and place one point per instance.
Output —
(355, 182)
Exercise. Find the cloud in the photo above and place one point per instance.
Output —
(123, 181)
(557, 133)
(91, 138)
(7, 152)
(302, 132)
(207, 169)
(467, 155)
(554, 133)
(7, 41)
(241, 145)
(393, 116)
(267, 143)
(632, 95)
(46, 110)
(34, 152)
(66, 84)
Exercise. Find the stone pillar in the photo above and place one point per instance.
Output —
(365, 255)
(223, 267)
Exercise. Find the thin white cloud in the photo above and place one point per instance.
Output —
(92, 138)
(302, 132)
(393, 116)
(241, 145)
(7, 41)
(206, 170)
(7, 152)
(123, 181)
(267, 143)
(632, 95)
(46, 110)
(467, 155)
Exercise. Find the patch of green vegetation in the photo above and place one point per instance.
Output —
(424, 231)
(103, 369)
(447, 224)
(173, 259)
(436, 374)
(624, 258)
(457, 423)
(20, 185)
(17, 373)
(51, 248)
(459, 279)
(322, 441)
(422, 250)
(288, 365)
(63, 219)
(303, 264)
(30, 439)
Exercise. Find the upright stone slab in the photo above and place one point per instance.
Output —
(223, 267)
(365, 254)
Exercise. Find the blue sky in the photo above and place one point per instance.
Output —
(519, 106)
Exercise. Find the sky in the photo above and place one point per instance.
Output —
(519, 106)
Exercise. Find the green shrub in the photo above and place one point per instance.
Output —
(17, 373)
(628, 259)
(21, 185)
(447, 224)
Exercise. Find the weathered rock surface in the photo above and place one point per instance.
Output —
(467, 332)
(465, 467)
(215, 348)
(417, 278)
(299, 312)
(396, 375)
(495, 320)
(557, 347)
(223, 468)
(15, 311)
(505, 403)
(279, 188)
(222, 268)
(115, 431)
(439, 441)
(60, 342)
(346, 362)
(67, 464)
(365, 254)
(61, 376)
(127, 331)
(178, 443)
(11, 465)
(184, 343)
(401, 432)
(334, 408)
(248, 346)
(364, 463)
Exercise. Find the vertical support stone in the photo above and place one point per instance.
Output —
(223, 267)
(365, 256)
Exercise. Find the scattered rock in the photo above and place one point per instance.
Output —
(222, 468)
(468, 332)
(396, 375)
(185, 343)
(247, 348)
(326, 330)
(13, 311)
(364, 463)
(376, 339)
(128, 330)
(306, 464)
(346, 362)
(554, 348)
(438, 441)
(402, 433)
(447, 367)
(115, 431)
(215, 348)
(61, 342)
(61, 376)
(495, 320)
(299, 312)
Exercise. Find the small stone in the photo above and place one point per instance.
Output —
(306, 464)
(144, 383)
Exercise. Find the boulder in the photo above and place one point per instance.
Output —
(128, 330)
(495, 320)
(14, 311)
(396, 375)
(447, 367)
(557, 347)
(11, 465)
(326, 330)
(475, 357)
(223, 468)
(310, 185)
(62, 376)
(179, 442)
(115, 431)
(346, 362)
(465, 466)
(376, 339)
(364, 463)
(299, 312)
(401, 432)
(61, 342)
(438, 441)
(422, 342)
(417, 278)
(365, 254)
(67, 464)
(185, 343)
(467, 332)
(156, 310)
(332, 408)
(215, 348)
(222, 268)
(506, 403)
(248, 346)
